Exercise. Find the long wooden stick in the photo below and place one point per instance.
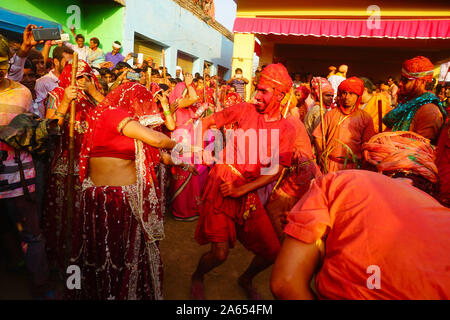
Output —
(70, 176)
(380, 116)
(164, 64)
(321, 118)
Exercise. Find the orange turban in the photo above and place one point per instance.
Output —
(277, 77)
(418, 68)
(355, 85)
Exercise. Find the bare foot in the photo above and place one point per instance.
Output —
(250, 291)
(197, 289)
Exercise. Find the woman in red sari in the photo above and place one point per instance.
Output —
(87, 96)
(117, 236)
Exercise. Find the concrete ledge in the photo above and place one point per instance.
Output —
(196, 10)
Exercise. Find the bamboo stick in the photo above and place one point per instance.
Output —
(70, 176)
(380, 116)
(164, 64)
(321, 117)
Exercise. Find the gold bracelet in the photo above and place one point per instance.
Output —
(167, 113)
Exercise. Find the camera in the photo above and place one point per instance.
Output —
(46, 34)
(133, 76)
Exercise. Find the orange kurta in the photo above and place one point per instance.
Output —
(352, 130)
(372, 222)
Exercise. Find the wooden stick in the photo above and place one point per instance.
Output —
(204, 85)
(380, 116)
(321, 118)
(149, 76)
(288, 104)
(70, 176)
(164, 64)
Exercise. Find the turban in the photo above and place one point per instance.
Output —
(352, 84)
(277, 77)
(4, 49)
(402, 151)
(324, 83)
(355, 85)
(116, 45)
(418, 68)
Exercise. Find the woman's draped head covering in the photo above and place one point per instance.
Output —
(324, 83)
(418, 68)
(304, 93)
(64, 80)
(177, 92)
(402, 151)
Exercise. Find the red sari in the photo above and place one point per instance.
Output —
(55, 208)
(117, 235)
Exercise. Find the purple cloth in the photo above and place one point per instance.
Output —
(114, 58)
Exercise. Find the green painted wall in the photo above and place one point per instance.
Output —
(104, 21)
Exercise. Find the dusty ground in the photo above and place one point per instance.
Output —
(180, 253)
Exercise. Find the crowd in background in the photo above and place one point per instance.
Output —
(330, 124)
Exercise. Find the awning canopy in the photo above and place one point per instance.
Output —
(388, 28)
(16, 22)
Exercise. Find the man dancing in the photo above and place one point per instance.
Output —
(231, 209)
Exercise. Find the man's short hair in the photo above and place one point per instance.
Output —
(58, 52)
(117, 42)
(104, 71)
(79, 36)
(121, 65)
(368, 84)
(238, 69)
(95, 40)
(30, 65)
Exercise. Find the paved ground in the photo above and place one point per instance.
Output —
(180, 253)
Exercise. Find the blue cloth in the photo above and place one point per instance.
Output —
(400, 118)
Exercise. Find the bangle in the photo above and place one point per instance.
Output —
(167, 113)
(59, 114)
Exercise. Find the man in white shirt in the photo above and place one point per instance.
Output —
(338, 77)
(80, 48)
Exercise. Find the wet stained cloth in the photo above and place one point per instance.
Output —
(367, 219)
(225, 219)
(343, 132)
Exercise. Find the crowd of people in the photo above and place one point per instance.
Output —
(354, 174)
